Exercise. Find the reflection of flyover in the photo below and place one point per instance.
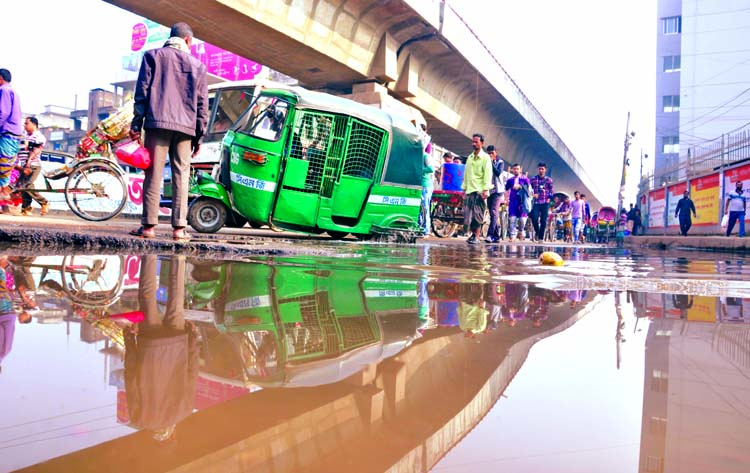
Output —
(417, 51)
(404, 414)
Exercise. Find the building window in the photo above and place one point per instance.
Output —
(670, 144)
(671, 103)
(671, 64)
(671, 25)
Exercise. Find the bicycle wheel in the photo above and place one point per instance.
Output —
(96, 191)
(93, 280)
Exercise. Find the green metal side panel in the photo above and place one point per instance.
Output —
(345, 294)
(249, 303)
(349, 196)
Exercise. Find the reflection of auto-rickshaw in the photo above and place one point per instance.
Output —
(312, 162)
(302, 326)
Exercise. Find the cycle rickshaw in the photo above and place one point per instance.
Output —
(95, 186)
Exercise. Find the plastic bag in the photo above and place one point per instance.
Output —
(725, 220)
(134, 154)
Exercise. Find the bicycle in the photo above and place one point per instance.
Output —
(95, 190)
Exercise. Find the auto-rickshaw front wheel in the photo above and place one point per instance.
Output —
(207, 215)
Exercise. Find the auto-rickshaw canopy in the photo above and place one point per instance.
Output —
(404, 162)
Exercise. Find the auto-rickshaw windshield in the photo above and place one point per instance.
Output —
(264, 118)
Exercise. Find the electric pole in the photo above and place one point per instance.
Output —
(625, 163)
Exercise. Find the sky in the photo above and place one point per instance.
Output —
(584, 64)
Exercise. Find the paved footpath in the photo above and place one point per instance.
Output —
(66, 231)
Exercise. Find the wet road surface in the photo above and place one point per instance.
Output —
(368, 357)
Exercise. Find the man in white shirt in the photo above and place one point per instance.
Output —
(735, 207)
(29, 165)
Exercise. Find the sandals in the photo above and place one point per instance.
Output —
(179, 234)
(143, 232)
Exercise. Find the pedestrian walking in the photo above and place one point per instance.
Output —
(586, 218)
(497, 195)
(735, 206)
(683, 209)
(543, 189)
(171, 105)
(476, 186)
(519, 187)
(577, 209)
(10, 131)
(29, 166)
(427, 189)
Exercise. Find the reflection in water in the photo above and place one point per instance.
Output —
(161, 354)
(390, 368)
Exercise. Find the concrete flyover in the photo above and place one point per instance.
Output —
(419, 52)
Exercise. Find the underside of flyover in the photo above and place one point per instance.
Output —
(333, 45)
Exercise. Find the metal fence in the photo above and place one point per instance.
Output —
(727, 150)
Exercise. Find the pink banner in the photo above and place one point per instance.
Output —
(224, 64)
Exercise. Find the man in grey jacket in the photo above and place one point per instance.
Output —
(171, 104)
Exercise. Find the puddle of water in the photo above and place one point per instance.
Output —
(382, 358)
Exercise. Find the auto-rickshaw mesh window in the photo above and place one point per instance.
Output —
(267, 118)
(311, 141)
(356, 331)
(306, 337)
(365, 142)
(231, 105)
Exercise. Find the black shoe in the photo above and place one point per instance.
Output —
(472, 240)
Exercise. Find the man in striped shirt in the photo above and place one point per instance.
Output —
(29, 166)
(541, 185)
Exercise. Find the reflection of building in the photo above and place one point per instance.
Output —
(697, 382)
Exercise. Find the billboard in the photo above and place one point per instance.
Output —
(675, 194)
(705, 194)
(656, 204)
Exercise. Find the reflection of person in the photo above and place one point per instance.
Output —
(171, 103)
(24, 281)
(683, 209)
(10, 131)
(161, 360)
(7, 314)
(29, 165)
(735, 207)
(732, 310)
(472, 315)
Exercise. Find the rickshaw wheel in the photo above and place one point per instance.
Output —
(443, 229)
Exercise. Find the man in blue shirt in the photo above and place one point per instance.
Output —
(683, 209)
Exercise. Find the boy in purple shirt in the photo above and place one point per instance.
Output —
(518, 185)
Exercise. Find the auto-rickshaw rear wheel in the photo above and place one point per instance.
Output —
(207, 215)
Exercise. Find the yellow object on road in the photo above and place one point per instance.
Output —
(550, 258)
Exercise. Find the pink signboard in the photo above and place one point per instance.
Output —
(139, 37)
(224, 64)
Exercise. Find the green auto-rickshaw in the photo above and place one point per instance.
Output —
(313, 162)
